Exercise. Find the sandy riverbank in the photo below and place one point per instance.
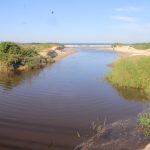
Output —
(57, 54)
(45, 57)
(125, 50)
(63, 54)
(130, 51)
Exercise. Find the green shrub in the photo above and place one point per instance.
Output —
(28, 52)
(33, 62)
(12, 55)
(9, 48)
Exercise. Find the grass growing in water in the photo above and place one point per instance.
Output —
(144, 119)
(131, 72)
(144, 123)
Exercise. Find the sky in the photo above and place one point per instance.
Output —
(75, 21)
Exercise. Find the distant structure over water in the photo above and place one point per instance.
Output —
(87, 45)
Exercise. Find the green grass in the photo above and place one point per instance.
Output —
(144, 123)
(131, 73)
(141, 46)
(138, 46)
(144, 119)
(40, 46)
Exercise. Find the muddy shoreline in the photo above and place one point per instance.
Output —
(122, 134)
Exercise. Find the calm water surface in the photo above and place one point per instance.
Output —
(44, 109)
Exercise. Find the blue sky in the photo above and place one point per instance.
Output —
(95, 21)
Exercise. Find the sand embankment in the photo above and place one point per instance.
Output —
(130, 51)
(63, 54)
(56, 53)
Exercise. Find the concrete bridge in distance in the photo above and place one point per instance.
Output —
(103, 46)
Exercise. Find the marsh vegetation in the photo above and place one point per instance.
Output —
(131, 72)
(144, 123)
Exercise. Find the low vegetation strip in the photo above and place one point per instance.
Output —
(41, 46)
(137, 46)
(133, 72)
(141, 46)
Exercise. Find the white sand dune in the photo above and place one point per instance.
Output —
(132, 51)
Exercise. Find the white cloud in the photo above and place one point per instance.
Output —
(124, 18)
(128, 9)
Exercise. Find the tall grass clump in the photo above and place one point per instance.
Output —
(131, 72)
(144, 123)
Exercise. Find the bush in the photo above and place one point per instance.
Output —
(12, 55)
(9, 53)
(28, 52)
(9, 48)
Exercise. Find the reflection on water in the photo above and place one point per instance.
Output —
(45, 109)
(132, 94)
(10, 80)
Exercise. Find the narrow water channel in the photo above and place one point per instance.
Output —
(44, 109)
